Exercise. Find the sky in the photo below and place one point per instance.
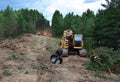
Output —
(48, 7)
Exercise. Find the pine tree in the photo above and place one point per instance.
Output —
(9, 22)
(88, 23)
(1, 25)
(57, 24)
(107, 30)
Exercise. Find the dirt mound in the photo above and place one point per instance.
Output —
(27, 60)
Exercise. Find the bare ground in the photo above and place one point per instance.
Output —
(27, 60)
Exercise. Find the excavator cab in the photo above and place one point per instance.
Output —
(78, 41)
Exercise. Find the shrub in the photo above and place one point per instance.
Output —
(105, 59)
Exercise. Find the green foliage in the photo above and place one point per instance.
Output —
(105, 59)
(88, 23)
(17, 22)
(107, 25)
(1, 25)
(9, 22)
(73, 22)
(89, 44)
(57, 24)
(88, 26)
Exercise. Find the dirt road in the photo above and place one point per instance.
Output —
(27, 60)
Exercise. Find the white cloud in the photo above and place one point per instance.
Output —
(48, 7)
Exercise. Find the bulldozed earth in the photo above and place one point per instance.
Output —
(27, 59)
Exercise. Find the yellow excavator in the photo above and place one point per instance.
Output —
(70, 43)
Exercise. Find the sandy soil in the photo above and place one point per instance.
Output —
(27, 60)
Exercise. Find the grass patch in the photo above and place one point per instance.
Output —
(22, 53)
(12, 56)
(49, 49)
(102, 76)
(26, 72)
(58, 40)
(20, 67)
(7, 73)
(99, 75)
(33, 66)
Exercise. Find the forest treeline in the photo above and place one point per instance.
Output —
(17, 22)
(101, 29)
